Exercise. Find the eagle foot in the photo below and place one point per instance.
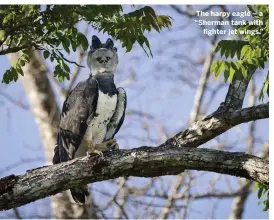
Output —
(114, 147)
(100, 153)
(106, 146)
(94, 151)
(103, 147)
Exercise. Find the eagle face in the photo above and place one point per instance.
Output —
(102, 60)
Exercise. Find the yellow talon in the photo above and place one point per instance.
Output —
(103, 147)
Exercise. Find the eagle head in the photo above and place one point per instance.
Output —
(102, 58)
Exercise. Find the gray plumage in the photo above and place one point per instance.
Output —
(93, 111)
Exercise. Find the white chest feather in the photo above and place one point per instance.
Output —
(97, 128)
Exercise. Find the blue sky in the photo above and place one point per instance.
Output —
(159, 91)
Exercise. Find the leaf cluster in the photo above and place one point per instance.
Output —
(52, 29)
(263, 193)
(249, 54)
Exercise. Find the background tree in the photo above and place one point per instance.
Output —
(148, 124)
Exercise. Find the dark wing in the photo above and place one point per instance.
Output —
(118, 118)
(79, 105)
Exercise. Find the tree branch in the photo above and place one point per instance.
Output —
(236, 93)
(142, 162)
(12, 50)
(208, 128)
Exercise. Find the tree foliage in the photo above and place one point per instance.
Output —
(263, 193)
(52, 29)
(251, 53)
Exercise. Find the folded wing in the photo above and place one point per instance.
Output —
(119, 115)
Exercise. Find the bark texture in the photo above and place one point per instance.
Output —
(142, 162)
(166, 159)
(235, 95)
(206, 129)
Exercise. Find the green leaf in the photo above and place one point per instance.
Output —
(14, 74)
(2, 34)
(10, 75)
(55, 26)
(73, 45)
(217, 67)
(84, 42)
(213, 67)
(217, 48)
(66, 44)
(46, 54)
(231, 73)
(256, 186)
(19, 69)
(148, 46)
(261, 63)
(229, 48)
(238, 54)
(226, 75)
(61, 77)
(245, 52)
(66, 67)
(14, 63)
(238, 66)
(222, 52)
(266, 204)
(244, 72)
(129, 45)
(25, 58)
(265, 88)
(57, 70)
(227, 70)
(141, 42)
(22, 62)
(263, 194)
(7, 18)
(260, 192)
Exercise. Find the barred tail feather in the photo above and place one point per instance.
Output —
(79, 194)
(56, 158)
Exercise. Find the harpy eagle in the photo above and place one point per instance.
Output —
(93, 111)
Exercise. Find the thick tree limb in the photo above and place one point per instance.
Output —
(145, 161)
(206, 129)
(166, 159)
(238, 203)
(236, 93)
(142, 162)
(10, 50)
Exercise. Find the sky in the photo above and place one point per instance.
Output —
(159, 90)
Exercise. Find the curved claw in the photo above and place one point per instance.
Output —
(100, 153)
(115, 146)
